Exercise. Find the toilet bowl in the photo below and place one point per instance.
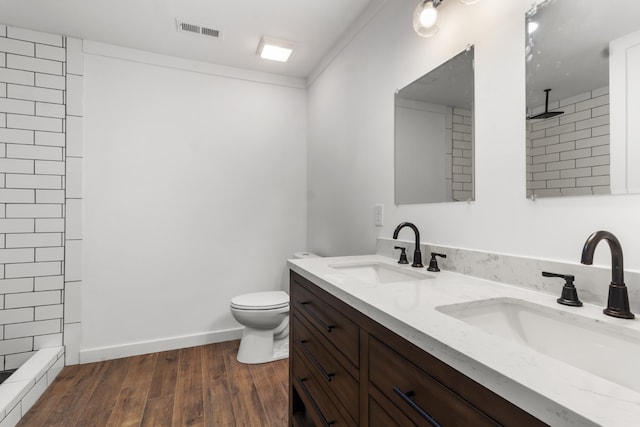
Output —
(265, 317)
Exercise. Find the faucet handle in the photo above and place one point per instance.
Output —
(568, 277)
(569, 294)
(403, 255)
(433, 263)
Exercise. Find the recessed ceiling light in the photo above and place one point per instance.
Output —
(274, 50)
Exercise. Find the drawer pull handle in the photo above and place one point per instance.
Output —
(409, 401)
(325, 422)
(327, 376)
(315, 317)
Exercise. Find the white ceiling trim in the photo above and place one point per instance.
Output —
(343, 41)
(165, 61)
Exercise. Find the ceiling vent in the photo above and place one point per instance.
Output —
(190, 27)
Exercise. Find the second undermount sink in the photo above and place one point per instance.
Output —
(378, 272)
(603, 349)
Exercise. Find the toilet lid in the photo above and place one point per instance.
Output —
(261, 300)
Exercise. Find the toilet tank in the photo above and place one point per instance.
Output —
(298, 255)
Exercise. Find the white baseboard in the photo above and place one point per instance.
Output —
(90, 355)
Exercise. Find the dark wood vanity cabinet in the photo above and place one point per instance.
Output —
(347, 370)
(324, 353)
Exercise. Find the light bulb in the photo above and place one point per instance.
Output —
(424, 19)
(429, 15)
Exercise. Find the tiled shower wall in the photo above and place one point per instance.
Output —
(39, 221)
(459, 130)
(73, 201)
(568, 155)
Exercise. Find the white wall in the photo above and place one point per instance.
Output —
(195, 192)
(350, 150)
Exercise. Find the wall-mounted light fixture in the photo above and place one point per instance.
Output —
(425, 17)
(275, 50)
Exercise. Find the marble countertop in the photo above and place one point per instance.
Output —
(555, 392)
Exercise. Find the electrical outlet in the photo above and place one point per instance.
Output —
(379, 215)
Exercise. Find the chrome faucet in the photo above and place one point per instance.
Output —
(618, 301)
(417, 255)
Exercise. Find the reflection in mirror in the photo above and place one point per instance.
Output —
(434, 135)
(578, 88)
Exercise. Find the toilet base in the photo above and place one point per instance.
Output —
(259, 346)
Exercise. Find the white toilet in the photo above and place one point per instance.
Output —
(265, 316)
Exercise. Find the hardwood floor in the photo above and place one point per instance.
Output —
(198, 386)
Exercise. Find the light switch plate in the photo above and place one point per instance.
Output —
(379, 215)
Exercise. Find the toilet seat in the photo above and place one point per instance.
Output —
(261, 301)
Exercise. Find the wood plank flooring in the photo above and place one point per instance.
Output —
(198, 386)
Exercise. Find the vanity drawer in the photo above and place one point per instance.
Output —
(386, 414)
(416, 393)
(324, 312)
(317, 403)
(332, 374)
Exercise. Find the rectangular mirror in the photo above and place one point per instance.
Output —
(434, 144)
(582, 82)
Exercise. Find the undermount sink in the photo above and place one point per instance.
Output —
(602, 349)
(377, 272)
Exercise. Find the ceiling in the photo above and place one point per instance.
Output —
(150, 25)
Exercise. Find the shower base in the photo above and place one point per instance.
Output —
(21, 390)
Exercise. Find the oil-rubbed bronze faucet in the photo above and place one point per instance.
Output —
(618, 301)
(417, 255)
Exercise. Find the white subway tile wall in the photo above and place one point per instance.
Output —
(33, 113)
(568, 155)
(73, 202)
(460, 149)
